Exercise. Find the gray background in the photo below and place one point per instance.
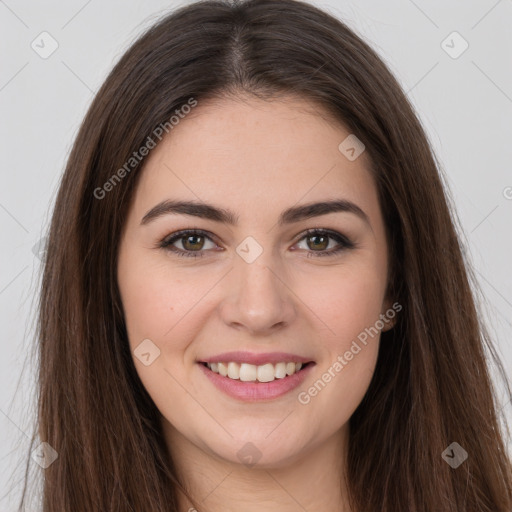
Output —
(465, 105)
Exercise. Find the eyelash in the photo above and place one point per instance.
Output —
(343, 241)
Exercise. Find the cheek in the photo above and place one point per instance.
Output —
(148, 307)
(155, 301)
(349, 307)
(158, 306)
(347, 302)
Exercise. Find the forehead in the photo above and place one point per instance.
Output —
(253, 154)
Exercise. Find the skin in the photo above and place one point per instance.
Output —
(256, 158)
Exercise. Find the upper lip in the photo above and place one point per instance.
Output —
(256, 359)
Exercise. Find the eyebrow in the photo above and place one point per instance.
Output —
(289, 216)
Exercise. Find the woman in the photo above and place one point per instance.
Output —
(254, 296)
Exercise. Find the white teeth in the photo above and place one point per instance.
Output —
(223, 369)
(280, 370)
(290, 368)
(248, 372)
(266, 373)
(251, 373)
(233, 370)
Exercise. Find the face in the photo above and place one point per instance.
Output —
(258, 275)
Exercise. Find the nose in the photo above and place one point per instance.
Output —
(257, 298)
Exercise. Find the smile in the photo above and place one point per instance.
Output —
(249, 383)
(250, 373)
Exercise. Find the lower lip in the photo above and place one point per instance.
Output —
(257, 391)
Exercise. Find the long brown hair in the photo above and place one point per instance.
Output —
(431, 386)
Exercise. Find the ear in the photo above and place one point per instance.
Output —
(389, 313)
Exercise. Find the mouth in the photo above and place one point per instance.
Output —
(250, 382)
(245, 372)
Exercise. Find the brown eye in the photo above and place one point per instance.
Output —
(318, 240)
(192, 243)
